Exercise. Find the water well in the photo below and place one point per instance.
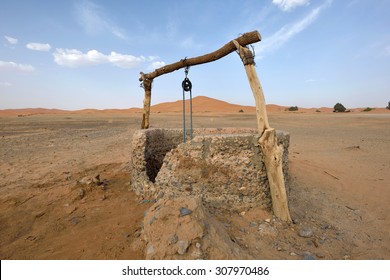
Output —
(224, 166)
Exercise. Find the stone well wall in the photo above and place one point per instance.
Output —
(225, 167)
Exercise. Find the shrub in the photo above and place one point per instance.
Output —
(241, 111)
(339, 108)
(388, 106)
(318, 111)
(293, 108)
(368, 109)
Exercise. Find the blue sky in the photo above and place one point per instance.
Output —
(76, 54)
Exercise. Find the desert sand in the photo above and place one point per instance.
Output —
(65, 192)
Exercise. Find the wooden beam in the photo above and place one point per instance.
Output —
(243, 40)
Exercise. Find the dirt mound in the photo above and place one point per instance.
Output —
(182, 228)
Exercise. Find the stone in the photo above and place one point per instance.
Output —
(267, 229)
(173, 239)
(184, 211)
(75, 220)
(152, 219)
(150, 250)
(96, 180)
(326, 226)
(85, 181)
(182, 246)
(308, 256)
(305, 232)
(252, 224)
(81, 193)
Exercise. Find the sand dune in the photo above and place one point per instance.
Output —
(200, 104)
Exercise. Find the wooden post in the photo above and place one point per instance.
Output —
(273, 152)
(147, 85)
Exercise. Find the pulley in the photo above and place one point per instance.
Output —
(186, 84)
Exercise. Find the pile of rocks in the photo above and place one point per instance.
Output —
(181, 228)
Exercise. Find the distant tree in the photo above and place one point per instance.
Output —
(293, 108)
(388, 106)
(339, 108)
(368, 109)
(241, 111)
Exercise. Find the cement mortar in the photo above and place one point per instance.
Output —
(225, 167)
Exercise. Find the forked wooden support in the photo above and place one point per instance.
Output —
(273, 152)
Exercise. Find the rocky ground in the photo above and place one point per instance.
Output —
(65, 192)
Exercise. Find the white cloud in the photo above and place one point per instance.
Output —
(12, 66)
(157, 64)
(287, 32)
(12, 41)
(152, 57)
(287, 5)
(5, 84)
(124, 61)
(38, 47)
(75, 58)
(93, 19)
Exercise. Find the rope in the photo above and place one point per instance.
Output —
(187, 86)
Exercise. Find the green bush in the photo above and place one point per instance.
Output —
(339, 108)
(241, 111)
(368, 109)
(293, 108)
